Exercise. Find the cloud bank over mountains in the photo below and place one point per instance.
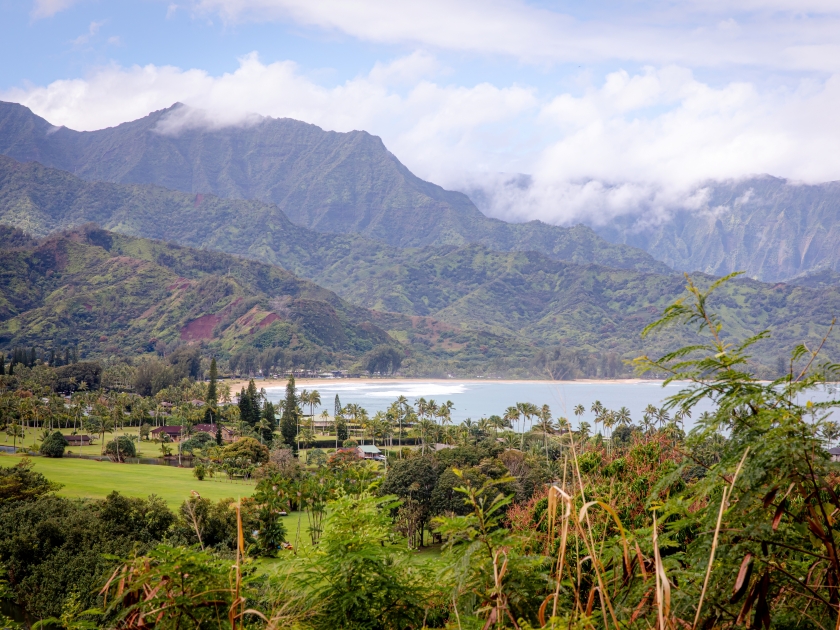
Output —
(706, 91)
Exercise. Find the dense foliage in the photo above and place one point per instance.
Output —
(636, 526)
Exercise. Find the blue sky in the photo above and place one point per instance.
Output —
(611, 107)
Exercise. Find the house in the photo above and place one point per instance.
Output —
(835, 453)
(368, 451)
(78, 440)
(227, 434)
(172, 432)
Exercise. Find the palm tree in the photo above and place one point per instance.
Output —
(377, 426)
(14, 431)
(424, 427)
(680, 416)
(497, 422)
(264, 425)
(422, 407)
(432, 408)
(583, 429)
(484, 426)
(598, 409)
(354, 411)
(403, 407)
(546, 426)
(314, 400)
(608, 419)
(528, 411)
(445, 412)
(831, 431)
(650, 413)
(325, 416)
(663, 416)
(468, 427)
(363, 420)
(511, 415)
(510, 441)
(579, 410)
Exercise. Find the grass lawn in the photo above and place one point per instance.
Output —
(95, 480)
(144, 449)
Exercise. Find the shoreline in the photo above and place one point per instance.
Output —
(274, 383)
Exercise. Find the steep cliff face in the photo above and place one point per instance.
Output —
(772, 229)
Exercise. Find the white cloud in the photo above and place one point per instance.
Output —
(647, 143)
(48, 8)
(93, 29)
(697, 34)
(429, 125)
(643, 142)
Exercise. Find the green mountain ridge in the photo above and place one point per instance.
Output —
(112, 294)
(327, 181)
(772, 229)
(465, 310)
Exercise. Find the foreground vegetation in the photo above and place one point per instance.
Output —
(641, 526)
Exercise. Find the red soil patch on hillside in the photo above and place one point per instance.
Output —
(269, 319)
(180, 283)
(200, 328)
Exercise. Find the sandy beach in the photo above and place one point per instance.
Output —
(308, 383)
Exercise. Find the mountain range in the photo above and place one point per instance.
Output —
(327, 181)
(478, 307)
(772, 229)
(460, 302)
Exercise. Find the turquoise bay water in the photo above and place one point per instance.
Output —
(477, 399)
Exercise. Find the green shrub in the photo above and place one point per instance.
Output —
(197, 442)
(121, 448)
(316, 457)
(199, 471)
(21, 483)
(589, 462)
(350, 443)
(53, 445)
(247, 448)
(616, 468)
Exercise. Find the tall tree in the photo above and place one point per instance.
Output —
(268, 424)
(341, 432)
(256, 407)
(244, 405)
(314, 400)
(212, 393)
(290, 418)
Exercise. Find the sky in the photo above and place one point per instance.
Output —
(606, 107)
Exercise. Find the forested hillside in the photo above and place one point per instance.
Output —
(772, 229)
(330, 182)
(108, 293)
(526, 304)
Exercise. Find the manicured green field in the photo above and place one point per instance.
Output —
(32, 438)
(95, 480)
